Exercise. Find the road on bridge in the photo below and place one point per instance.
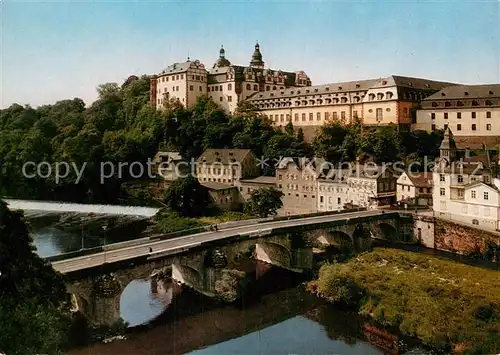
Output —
(175, 245)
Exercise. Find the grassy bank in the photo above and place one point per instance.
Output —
(167, 221)
(443, 303)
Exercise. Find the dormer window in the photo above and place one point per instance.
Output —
(307, 91)
(466, 93)
(434, 104)
(217, 159)
(490, 92)
(460, 103)
(315, 90)
(475, 103)
(443, 94)
(358, 86)
(427, 86)
(327, 88)
(340, 87)
(447, 104)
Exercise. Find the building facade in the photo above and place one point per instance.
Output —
(371, 186)
(465, 187)
(333, 190)
(226, 166)
(415, 188)
(470, 111)
(225, 83)
(383, 101)
(296, 178)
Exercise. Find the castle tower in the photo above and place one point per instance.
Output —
(256, 61)
(222, 61)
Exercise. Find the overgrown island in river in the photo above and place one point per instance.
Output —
(445, 304)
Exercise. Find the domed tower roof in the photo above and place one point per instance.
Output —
(222, 61)
(256, 61)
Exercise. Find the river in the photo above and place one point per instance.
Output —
(276, 318)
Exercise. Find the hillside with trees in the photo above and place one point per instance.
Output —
(122, 127)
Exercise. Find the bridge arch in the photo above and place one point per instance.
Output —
(339, 240)
(274, 253)
(187, 275)
(387, 231)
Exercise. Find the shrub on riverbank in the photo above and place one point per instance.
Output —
(441, 302)
(167, 221)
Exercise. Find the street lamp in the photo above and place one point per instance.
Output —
(81, 226)
(104, 227)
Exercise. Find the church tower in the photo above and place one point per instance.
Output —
(256, 61)
(448, 148)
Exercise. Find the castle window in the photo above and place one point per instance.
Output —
(255, 87)
(459, 127)
(473, 194)
(475, 103)
(473, 127)
(488, 126)
(380, 96)
(229, 98)
(371, 97)
(446, 115)
(191, 87)
(447, 104)
(486, 195)
(434, 104)
(459, 115)
(296, 117)
(311, 116)
(473, 114)
(488, 114)
(388, 95)
(268, 88)
(488, 103)
(318, 116)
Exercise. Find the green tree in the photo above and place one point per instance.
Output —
(34, 303)
(187, 197)
(265, 202)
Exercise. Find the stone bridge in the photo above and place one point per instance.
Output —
(96, 291)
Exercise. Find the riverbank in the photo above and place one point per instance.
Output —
(444, 304)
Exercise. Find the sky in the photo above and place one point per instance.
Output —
(55, 50)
